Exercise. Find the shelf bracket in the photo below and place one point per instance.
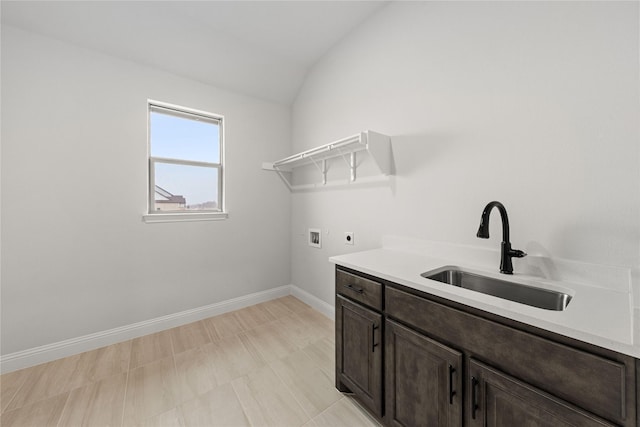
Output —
(352, 166)
(351, 163)
(283, 178)
(322, 167)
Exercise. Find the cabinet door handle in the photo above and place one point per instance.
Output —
(353, 288)
(374, 344)
(474, 397)
(452, 392)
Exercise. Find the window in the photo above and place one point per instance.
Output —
(186, 163)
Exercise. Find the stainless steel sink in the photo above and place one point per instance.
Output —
(524, 294)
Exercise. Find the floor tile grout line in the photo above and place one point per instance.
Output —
(244, 329)
(206, 329)
(66, 402)
(176, 397)
(13, 396)
(289, 390)
(235, 392)
(285, 307)
(126, 384)
(124, 395)
(42, 366)
(209, 326)
(181, 414)
(330, 406)
(361, 408)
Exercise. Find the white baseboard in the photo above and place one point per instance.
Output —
(46, 353)
(315, 302)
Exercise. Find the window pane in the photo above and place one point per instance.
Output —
(185, 188)
(185, 139)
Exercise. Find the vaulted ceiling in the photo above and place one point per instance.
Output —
(259, 48)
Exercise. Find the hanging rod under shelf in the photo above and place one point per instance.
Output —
(338, 184)
(350, 145)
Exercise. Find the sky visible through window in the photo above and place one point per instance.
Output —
(185, 139)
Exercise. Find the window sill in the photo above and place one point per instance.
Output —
(184, 217)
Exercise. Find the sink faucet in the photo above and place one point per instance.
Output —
(506, 253)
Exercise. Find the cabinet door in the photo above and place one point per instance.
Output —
(498, 400)
(359, 352)
(423, 380)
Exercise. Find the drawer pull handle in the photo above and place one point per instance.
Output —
(452, 392)
(358, 290)
(374, 344)
(474, 397)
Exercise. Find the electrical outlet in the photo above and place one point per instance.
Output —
(348, 238)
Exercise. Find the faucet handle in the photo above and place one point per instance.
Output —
(517, 253)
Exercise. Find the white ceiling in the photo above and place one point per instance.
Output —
(259, 48)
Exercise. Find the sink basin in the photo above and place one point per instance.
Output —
(524, 294)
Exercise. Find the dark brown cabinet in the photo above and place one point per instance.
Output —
(418, 360)
(498, 400)
(359, 352)
(423, 380)
(599, 381)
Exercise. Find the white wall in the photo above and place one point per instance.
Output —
(533, 104)
(76, 256)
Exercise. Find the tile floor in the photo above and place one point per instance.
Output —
(271, 364)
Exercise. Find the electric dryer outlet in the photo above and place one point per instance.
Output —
(348, 238)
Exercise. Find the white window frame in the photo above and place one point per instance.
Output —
(173, 216)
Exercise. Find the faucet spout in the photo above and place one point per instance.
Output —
(506, 252)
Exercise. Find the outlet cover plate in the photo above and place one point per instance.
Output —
(348, 238)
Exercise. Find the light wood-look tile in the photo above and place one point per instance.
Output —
(344, 413)
(97, 404)
(45, 381)
(195, 373)
(277, 308)
(270, 341)
(223, 326)
(323, 354)
(189, 336)
(313, 389)
(232, 358)
(304, 328)
(218, 407)
(316, 321)
(253, 316)
(9, 385)
(101, 363)
(43, 413)
(150, 348)
(298, 331)
(151, 390)
(311, 423)
(267, 401)
(360, 408)
(170, 418)
(293, 304)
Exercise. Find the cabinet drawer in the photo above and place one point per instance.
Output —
(359, 289)
(597, 384)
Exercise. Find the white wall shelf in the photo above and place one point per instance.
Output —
(377, 145)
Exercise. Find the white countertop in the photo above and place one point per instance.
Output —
(599, 315)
